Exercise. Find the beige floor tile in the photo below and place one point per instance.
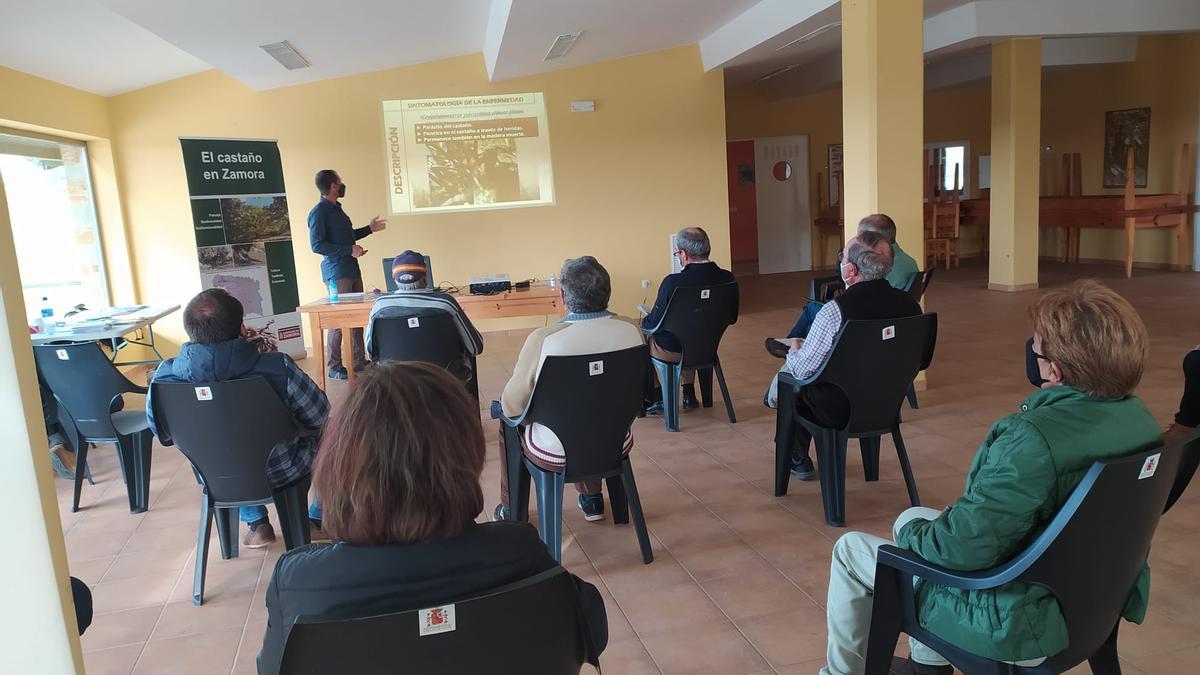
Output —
(716, 648)
(133, 593)
(120, 628)
(184, 618)
(115, 661)
(203, 654)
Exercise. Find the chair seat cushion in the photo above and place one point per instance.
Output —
(128, 422)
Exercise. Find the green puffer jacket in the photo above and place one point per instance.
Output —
(1026, 469)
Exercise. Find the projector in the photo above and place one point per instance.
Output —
(490, 284)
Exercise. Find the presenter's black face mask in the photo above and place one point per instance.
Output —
(342, 190)
(1032, 371)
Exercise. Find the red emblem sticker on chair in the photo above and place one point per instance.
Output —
(889, 332)
(1150, 466)
(203, 394)
(596, 368)
(705, 293)
(413, 322)
(62, 355)
(437, 620)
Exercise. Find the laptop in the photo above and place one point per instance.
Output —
(391, 283)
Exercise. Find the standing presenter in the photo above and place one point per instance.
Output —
(333, 236)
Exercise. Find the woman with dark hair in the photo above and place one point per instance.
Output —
(1188, 418)
(398, 473)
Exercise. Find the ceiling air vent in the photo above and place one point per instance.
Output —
(286, 55)
(778, 71)
(811, 35)
(562, 45)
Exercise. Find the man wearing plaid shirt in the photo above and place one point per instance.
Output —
(217, 352)
(864, 265)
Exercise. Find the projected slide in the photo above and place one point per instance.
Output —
(474, 152)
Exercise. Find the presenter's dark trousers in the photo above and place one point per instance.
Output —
(333, 348)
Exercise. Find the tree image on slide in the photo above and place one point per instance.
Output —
(473, 172)
(249, 219)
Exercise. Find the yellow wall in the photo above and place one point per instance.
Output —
(1165, 77)
(649, 161)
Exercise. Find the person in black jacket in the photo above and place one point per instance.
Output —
(693, 248)
(398, 473)
(1188, 418)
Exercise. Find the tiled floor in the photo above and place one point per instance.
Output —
(739, 577)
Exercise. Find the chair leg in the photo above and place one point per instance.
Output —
(617, 499)
(550, 499)
(135, 448)
(1105, 661)
(831, 465)
(518, 475)
(87, 470)
(785, 431)
(227, 531)
(909, 481)
(635, 505)
(912, 396)
(291, 505)
(886, 621)
(724, 390)
(705, 377)
(206, 517)
(80, 469)
(870, 457)
(670, 389)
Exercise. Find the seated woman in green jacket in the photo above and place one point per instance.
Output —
(1091, 348)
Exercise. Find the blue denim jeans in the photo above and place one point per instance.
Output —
(805, 322)
(253, 514)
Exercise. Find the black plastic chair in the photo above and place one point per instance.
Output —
(824, 289)
(429, 336)
(1089, 557)
(872, 363)
(916, 287)
(1188, 463)
(532, 626)
(90, 390)
(590, 402)
(697, 316)
(227, 431)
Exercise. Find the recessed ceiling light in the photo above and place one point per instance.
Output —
(286, 55)
(562, 44)
(811, 34)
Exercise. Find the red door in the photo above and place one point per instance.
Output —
(743, 208)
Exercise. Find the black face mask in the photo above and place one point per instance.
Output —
(1031, 366)
(342, 190)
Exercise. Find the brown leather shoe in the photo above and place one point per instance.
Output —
(776, 348)
(260, 537)
(903, 666)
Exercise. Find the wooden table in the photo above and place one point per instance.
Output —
(347, 314)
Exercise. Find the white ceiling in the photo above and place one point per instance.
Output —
(112, 46)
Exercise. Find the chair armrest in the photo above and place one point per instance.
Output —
(911, 563)
(786, 379)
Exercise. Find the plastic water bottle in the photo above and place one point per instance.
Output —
(333, 291)
(47, 318)
(553, 281)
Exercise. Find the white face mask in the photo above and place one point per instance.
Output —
(842, 272)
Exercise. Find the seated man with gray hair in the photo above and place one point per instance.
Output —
(588, 328)
(411, 297)
(865, 264)
(693, 248)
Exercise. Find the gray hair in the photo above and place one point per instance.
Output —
(871, 253)
(881, 223)
(586, 285)
(694, 242)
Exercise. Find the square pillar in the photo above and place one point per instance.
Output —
(1016, 164)
(883, 104)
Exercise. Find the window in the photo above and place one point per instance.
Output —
(951, 155)
(53, 216)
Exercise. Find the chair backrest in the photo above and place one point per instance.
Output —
(919, 283)
(1092, 552)
(85, 382)
(532, 626)
(428, 335)
(589, 402)
(824, 289)
(1188, 464)
(698, 316)
(873, 362)
(226, 430)
(390, 282)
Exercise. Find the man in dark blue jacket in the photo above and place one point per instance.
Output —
(216, 352)
(693, 248)
(331, 234)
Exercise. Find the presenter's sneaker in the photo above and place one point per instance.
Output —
(337, 374)
(592, 507)
(501, 513)
(260, 535)
(803, 468)
(903, 666)
(654, 409)
(776, 348)
(63, 461)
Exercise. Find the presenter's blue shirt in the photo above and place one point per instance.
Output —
(332, 235)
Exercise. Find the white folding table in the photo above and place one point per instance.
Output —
(112, 325)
